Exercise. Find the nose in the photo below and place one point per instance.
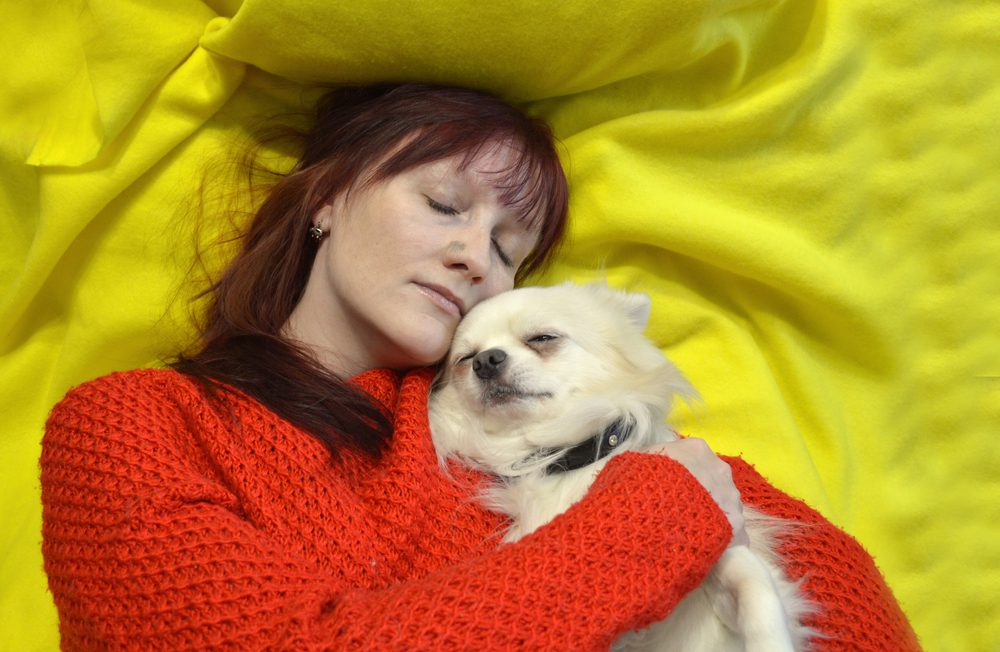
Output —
(488, 364)
(469, 253)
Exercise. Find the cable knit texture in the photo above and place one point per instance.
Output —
(172, 523)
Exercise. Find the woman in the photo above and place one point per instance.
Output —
(278, 487)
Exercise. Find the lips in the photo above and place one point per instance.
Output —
(443, 298)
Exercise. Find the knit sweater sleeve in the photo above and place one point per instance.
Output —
(618, 560)
(147, 548)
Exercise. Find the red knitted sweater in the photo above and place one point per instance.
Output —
(171, 524)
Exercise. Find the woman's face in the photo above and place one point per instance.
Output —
(405, 258)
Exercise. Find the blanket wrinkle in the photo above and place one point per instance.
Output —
(68, 86)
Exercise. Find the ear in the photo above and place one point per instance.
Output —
(323, 218)
(637, 306)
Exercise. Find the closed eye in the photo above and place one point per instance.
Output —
(544, 344)
(464, 358)
(444, 209)
(501, 254)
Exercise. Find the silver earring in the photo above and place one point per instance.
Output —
(316, 233)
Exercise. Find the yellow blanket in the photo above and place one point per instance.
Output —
(809, 190)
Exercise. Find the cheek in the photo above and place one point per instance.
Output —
(493, 287)
(502, 282)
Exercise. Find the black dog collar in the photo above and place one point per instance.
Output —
(590, 451)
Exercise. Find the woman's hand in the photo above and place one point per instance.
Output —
(714, 475)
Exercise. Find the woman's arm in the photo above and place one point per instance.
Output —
(858, 611)
(146, 548)
(618, 560)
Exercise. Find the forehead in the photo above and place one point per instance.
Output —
(485, 169)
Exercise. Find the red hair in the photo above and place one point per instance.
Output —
(361, 135)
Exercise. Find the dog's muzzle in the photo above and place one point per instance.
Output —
(488, 364)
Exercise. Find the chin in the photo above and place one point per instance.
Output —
(421, 348)
(419, 336)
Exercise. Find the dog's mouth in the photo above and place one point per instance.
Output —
(497, 393)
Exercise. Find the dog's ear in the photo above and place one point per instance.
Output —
(636, 306)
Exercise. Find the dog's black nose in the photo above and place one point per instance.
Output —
(489, 363)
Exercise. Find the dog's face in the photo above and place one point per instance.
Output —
(538, 368)
(525, 355)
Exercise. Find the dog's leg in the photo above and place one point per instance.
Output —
(746, 599)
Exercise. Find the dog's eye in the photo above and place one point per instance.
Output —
(464, 358)
(544, 344)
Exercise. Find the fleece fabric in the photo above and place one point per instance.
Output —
(171, 523)
(808, 189)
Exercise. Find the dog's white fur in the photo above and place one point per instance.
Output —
(575, 361)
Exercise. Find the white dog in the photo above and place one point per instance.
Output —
(541, 386)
